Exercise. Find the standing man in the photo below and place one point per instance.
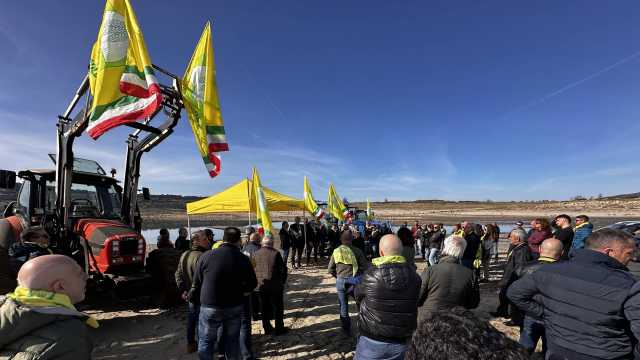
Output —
(388, 301)
(184, 280)
(38, 319)
(271, 272)
(564, 233)
(297, 237)
(580, 233)
(312, 241)
(448, 284)
(251, 307)
(586, 303)
(496, 239)
(517, 256)
(285, 241)
(435, 243)
(222, 278)
(473, 243)
(347, 265)
(182, 243)
(532, 328)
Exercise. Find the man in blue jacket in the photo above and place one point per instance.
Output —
(583, 301)
(582, 230)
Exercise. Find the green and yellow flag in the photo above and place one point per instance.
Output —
(369, 211)
(335, 206)
(309, 203)
(121, 76)
(262, 212)
(200, 97)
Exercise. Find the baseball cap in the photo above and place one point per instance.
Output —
(519, 223)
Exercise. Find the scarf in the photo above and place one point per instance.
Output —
(344, 255)
(42, 298)
(391, 259)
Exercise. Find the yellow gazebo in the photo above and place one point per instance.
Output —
(239, 198)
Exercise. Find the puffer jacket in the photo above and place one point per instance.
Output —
(580, 235)
(388, 301)
(42, 333)
(584, 304)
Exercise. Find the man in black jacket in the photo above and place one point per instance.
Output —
(564, 233)
(532, 328)
(518, 255)
(222, 278)
(586, 303)
(297, 237)
(473, 243)
(388, 300)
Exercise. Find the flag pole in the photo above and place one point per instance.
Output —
(189, 226)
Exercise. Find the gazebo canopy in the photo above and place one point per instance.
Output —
(239, 198)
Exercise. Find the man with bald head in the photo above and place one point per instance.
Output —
(38, 320)
(586, 303)
(388, 302)
(532, 328)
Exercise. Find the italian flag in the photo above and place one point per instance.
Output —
(262, 212)
(200, 97)
(122, 81)
(309, 203)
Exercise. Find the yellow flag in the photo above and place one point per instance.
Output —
(335, 206)
(121, 77)
(262, 212)
(369, 211)
(309, 203)
(200, 97)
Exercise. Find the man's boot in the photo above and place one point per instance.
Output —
(346, 324)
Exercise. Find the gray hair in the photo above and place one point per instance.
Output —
(454, 246)
(605, 238)
(267, 240)
(520, 234)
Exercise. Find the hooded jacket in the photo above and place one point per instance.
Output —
(42, 332)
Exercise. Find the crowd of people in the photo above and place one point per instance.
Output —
(563, 285)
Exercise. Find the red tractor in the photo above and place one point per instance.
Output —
(88, 215)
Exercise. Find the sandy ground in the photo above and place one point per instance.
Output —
(132, 330)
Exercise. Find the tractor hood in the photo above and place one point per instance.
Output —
(117, 248)
(97, 231)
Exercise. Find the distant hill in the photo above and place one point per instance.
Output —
(623, 196)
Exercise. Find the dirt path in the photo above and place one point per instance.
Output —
(311, 312)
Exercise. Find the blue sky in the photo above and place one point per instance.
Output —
(461, 100)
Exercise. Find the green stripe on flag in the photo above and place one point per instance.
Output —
(123, 101)
(215, 130)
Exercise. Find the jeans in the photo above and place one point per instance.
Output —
(369, 349)
(210, 321)
(285, 255)
(245, 329)
(343, 299)
(433, 256)
(532, 331)
(494, 249)
(192, 322)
